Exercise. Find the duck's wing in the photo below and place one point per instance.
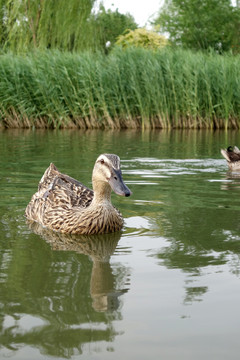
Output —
(57, 190)
(236, 150)
(231, 154)
(65, 188)
(225, 154)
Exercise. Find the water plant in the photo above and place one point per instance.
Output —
(128, 88)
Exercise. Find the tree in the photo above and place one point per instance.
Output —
(60, 24)
(107, 25)
(201, 24)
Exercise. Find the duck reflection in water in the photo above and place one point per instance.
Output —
(99, 248)
(231, 181)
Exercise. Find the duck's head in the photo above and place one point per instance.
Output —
(107, 171)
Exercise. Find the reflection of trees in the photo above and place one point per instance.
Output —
(200, 223)
(194, 293)
(199, 219)
(75, 296)
(200, 237)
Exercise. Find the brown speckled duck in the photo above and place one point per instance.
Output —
(232, 155)
(65, 205)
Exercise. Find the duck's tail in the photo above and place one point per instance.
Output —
(48, 178)
(225, 154)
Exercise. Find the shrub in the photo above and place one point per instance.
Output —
(142, 38)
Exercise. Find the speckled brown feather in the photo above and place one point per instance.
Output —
(88, 221)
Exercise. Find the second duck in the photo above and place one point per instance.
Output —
(232, 155)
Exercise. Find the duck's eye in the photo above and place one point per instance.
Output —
(102, 161)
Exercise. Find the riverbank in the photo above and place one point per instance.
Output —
(135, 88)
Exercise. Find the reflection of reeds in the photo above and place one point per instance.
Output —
(132, 88)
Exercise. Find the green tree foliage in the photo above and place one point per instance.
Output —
(107, 25)
(201, 24)
(27, 24)
(142, 38)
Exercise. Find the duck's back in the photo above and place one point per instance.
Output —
(57, 190)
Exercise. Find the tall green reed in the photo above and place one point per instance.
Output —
(130, 88)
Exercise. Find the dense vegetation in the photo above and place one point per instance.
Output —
(43, 24)
(73, 25)
(56, 70)
(201, 24)
(131, 88)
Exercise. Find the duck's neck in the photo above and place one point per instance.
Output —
(102, 192)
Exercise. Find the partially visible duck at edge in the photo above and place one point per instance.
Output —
(232, 155)
(65, 205)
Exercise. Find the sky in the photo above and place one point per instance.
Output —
(141, 10)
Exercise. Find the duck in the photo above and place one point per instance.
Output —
(232, 155)
(65, 205)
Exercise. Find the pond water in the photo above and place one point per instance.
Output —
(166, 287)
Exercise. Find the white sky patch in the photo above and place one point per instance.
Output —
(142, 11)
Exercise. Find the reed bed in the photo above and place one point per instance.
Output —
(126, 89)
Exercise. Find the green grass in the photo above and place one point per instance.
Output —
(126, 89)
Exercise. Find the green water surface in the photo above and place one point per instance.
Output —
(166, 287)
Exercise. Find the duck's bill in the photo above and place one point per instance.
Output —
(117, 184)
